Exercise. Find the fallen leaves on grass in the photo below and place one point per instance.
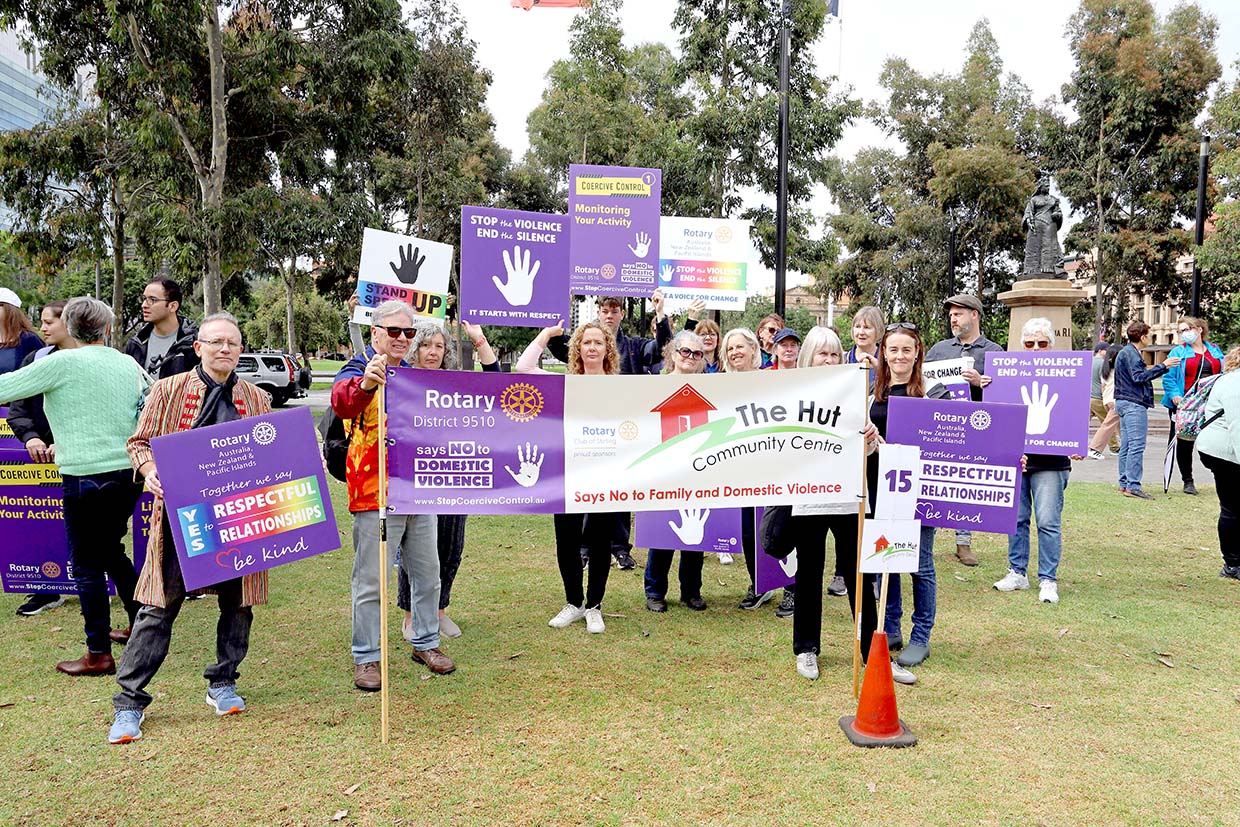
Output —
(340, 815)
(1166, 662)
(353, 789)
(515, 655)
(1062, 632)
(872, 787)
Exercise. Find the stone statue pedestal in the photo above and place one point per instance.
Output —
(1048, 298)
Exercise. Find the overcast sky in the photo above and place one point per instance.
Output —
(519, 48)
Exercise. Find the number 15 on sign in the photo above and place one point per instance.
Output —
(899, 482)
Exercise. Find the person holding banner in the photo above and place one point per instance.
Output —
(685, 354)
(1200, 358)
(592, 351)
(787, 348)
(899, 374)
(1042, 488)
(867, 328)
(433, 352)
(412, 536)
(209, 394)
(1134, 396)
(91, 396)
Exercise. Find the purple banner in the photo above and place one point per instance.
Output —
(690, 529)
(770, 573)
(7, 440)
(514, 267)
(34, 556)
(614, 215)
(474, 443)
(1053, 386)
(970, 460)
(245, 496)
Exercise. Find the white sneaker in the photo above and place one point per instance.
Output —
(1012, 582)
(807, 665)
(569, 614)
(901, 675)
(1048, 591)
(725, 559)
(594, 621)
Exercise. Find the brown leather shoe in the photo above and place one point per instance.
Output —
(120, 636)
(435, 660)
(965, 555)
(367, 677)
(89, 664)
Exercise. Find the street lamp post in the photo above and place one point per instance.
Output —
(1203, 169)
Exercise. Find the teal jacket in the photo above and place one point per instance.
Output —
(1173, 380)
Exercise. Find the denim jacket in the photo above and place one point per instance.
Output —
(1133, 380)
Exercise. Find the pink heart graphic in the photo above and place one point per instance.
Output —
(232, 552)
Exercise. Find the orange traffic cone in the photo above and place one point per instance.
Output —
(877, 724)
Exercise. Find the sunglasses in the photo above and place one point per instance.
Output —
(1031, 345)
(395, 332)
(687, 353)
(901, 326)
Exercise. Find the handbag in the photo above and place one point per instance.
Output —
(775, 531)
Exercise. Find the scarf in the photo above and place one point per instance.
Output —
(217, 404)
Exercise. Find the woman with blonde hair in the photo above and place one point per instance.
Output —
(867, 329)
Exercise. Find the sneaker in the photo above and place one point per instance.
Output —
(594, 621)
(36, 603)
(448, 627)
(1095, 454)
(225, 699)
(901, 675)
(1139, 493)
(1230, 572)
(807, 665)
(914, 654)
(725, 559)
(569, 614)
(1189, 488)
(753, 600)
(126, 726)
(787, 606)
(837, 588)
(1048, 591)
(624, 560)
(1012, 581)
(656, 604)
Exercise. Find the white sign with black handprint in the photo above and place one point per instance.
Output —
(402, 262)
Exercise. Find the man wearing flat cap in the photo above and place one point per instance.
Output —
(965, 314)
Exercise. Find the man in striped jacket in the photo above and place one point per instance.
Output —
(209, 394)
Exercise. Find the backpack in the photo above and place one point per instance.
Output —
(335, 443)
(1190, 416)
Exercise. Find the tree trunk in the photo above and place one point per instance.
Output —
(213, 187)
(290, 280)
(1099, 231)
(118, 265)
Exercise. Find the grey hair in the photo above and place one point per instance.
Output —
(1036, 325)
(87, 319)
(817, 338)
(874, 317)
(391, 308)
(424, 330)
(685, 338)
(750, 339)
(222, 316)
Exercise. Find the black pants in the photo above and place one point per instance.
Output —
(152, 633)
(659, 564)
(811, 534)
(1227, 485)
(593, 532)
(98, 508)
(451, 540)
(1183, 452)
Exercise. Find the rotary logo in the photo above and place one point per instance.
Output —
(628, 430)
(264, 433)
(522, 402)
(607, 271)
(50, 569)
(979, 420)
(723, 234)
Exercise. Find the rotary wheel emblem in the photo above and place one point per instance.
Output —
(628, 430)
(607, 271)
(521, 402)
(980, 420)
(264, 433)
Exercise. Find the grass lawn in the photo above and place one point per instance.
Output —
(325, 365)
(1117, 706)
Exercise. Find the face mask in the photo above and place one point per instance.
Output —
(1189, 336)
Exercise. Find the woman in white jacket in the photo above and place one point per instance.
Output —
(1219, 446)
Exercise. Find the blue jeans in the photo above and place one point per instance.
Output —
(924, 595)
(659, 565)
(1133, 422)
(1041, 493)
(414, 535)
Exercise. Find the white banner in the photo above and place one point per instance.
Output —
(949, 374)
(642, 443)
(704, 258)
(404, 268)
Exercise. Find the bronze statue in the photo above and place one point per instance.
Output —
(1043, 218)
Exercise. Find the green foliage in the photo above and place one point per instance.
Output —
(316, 322)
(797, 318)
(1220, 254)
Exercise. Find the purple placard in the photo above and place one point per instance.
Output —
(692, 529)
(614, 216)
(970, 460)
(34, 556)
(1054, 388)
(514, 267)
(770, 573)
(246, 495)
(7, 439)
(474, 443)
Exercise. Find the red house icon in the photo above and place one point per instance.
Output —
(682, 411)
(881, 545)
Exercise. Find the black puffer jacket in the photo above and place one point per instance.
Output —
(179, 358)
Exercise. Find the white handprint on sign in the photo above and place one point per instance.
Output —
(529, 463)
(520, 287)
(666, 272)
(643, 245)
(789, 564)
(692, 525)
(1039, 421)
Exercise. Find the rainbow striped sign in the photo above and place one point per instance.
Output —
(253, 515)
(371, 294)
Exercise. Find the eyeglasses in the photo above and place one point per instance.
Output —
(901, 326)
(687, 353)
(770, 330)
(148, 300)
(1038, 345)
(216, 344)
(395, 332)
(708, 335)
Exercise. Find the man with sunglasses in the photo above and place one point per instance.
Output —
(964, 312)
(164, 346)
(354, 399)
